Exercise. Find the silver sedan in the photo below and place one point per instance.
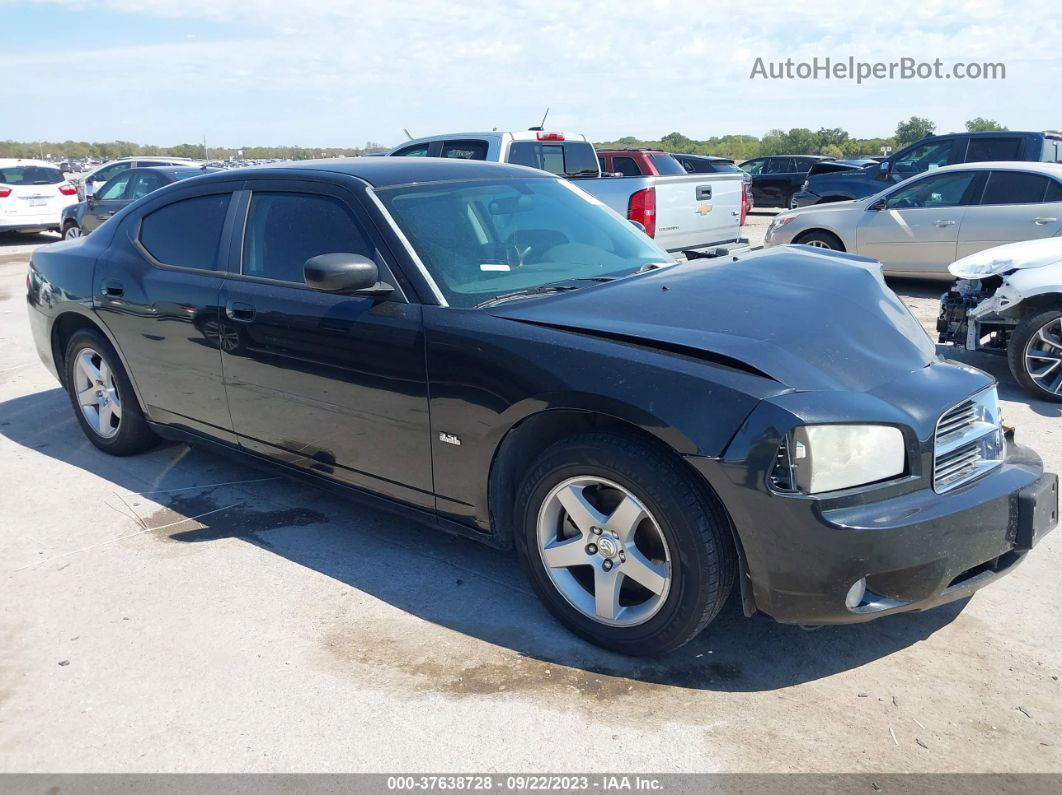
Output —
(923, 224)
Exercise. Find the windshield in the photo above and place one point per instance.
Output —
(30, 175)
(483, 239)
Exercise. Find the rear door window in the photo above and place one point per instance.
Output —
(626, 166)
(142, 184)
(982, 149)
(667, 166)
(1014, 187)
(779, 165)
(465, 150)
(186, 233)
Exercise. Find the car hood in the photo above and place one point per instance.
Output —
(808, 319)
(1011, 257)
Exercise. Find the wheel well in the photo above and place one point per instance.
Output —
(69, 222)
(62, 330)
(1040, 303)
(806, 234)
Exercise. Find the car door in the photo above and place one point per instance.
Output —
(772, 184)
(157, 289)
(329, 383)
(106, 202)
(914, 228)
(1014, 206)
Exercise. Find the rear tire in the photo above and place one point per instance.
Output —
(641, 591)
(820, 238)
(102, 396)
(1034, 345)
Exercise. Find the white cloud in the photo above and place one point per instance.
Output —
(345, 71)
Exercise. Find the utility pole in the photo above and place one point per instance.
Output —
(206, 155)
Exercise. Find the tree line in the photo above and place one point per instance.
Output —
(109, 150)
(832, 142)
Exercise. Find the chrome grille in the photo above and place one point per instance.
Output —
(968, 442)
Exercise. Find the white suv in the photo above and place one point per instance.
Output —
(88, 183)
(33, 195)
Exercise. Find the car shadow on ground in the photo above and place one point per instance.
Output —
(9, 240)
(451, 582)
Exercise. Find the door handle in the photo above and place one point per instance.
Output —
(112, 289)
(1041, 221)
(704, 193)
(943, 222)
(239, 311)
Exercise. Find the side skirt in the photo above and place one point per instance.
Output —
(366, 498)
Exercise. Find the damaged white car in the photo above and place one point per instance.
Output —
(1008, 300)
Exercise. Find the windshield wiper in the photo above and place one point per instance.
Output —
(559, 286)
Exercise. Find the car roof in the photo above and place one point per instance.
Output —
(1049, 169)
(175, 169)
(701, 157)
(7, 162)
(388, 171)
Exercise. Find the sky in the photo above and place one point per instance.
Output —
(344, 72)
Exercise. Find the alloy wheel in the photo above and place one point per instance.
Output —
(97, 393)
(603, 551)
(1043, 357)
(71, 232)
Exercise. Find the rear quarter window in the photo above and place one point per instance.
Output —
(187, 233)
(465, 150)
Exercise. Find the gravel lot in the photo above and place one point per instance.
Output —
(176, 612)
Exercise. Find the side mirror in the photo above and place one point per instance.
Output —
(344, 273)
(878, 205)
(884, 169)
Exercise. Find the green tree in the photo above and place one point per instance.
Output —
(914, 129)
(831, 137)
(832, 150)
(983, 125)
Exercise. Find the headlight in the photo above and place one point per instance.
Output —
(818, 458)
(780, 221)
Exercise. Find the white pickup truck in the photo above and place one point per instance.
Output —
(692, 215)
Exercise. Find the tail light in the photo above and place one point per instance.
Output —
(5, 192)
(642, 208)
(545, 136)
(744, 202)
(67, 190)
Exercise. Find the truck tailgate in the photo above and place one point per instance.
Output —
(698, 210)
(692, 211)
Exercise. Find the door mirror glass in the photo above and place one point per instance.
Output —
(341, 272)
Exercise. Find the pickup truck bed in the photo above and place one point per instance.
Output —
(696, 211)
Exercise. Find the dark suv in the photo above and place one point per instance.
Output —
(776, 178)
(929, 153)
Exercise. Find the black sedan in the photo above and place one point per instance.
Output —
(483, 347)
(128, 186)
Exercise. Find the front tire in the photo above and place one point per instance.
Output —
(72, 231)
(102, 396)
(622, 544)
(819, 238)
(1035, 355)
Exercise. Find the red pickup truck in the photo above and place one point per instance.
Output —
(657, 163)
